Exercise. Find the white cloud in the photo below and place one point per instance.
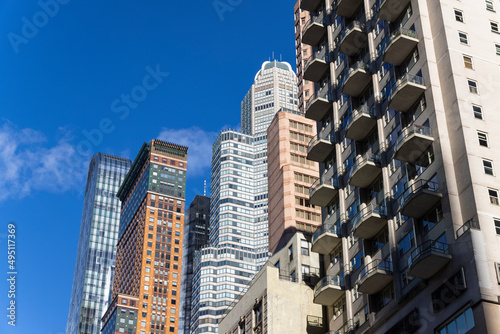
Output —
(199, 143)
(28, 162)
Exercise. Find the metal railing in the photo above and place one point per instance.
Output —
(359, 65)
(361, 160)
(471, 223)
(354, 25)
(367, 211)
(385, 265)
(402, 32)
(363, 110)
(426, 248)
(322, 94)
(331, 181)
(411, 130)
(321, 55)
(416, 187)
(325, 134)
(314, 321)
(328, 228)
(329, 280)
(315, 18)
(404, 79)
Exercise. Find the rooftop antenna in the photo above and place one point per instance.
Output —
(280, 57)
(205, 188)
(273, 55)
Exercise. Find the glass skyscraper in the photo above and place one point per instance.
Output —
(238, 206)
(95, 259)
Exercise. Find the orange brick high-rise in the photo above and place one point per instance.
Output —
(146, 286)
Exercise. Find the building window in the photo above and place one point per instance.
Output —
(494, 27)
(290, 253)
(478, 111)
(483, 139)
(497, 49)
(468, 62)
(304, 247)
(497, 225)
(472, 86)
(489, 5)
(459, 323)
(459, 15)
(488, 167)
(493, 196)
(406, 243)
(463, 38)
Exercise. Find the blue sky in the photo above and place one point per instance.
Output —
(73, 72)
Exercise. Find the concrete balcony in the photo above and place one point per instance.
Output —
(321, 146)
(310, 5)
(326, 238)
(375, 276)
(356, 79)
(324, 190)
(347, 8)
(401, 44)
(413, 142)
(317, 66)
(365, 170)
(390, 10)
(419, 198)
(353, 38)
(314, 30)
(406, 92)
(369, 221)
(428, 259)
(318, 105)
(360, 123)
(328, 290)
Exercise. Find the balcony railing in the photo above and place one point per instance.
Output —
(413, 141)
(365, 170)
(321, 146)
(368, 222)
(471, 223)
(375, 276)
(326, 238)
(356, 78)
(317, 65)
(406, 92)
(353, 38)
(360, 122)
(428, 258)
(328, 290)
(323, 190)
(419, 198)
(314, 29)
(319, 104)
(400, 45)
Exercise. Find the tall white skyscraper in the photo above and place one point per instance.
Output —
(238, 206)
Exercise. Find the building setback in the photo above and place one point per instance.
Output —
(96, 244)
(196, 233)
(280, 297)
(149, 251)
(290, 176)
(406, 102)
(238, 206)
